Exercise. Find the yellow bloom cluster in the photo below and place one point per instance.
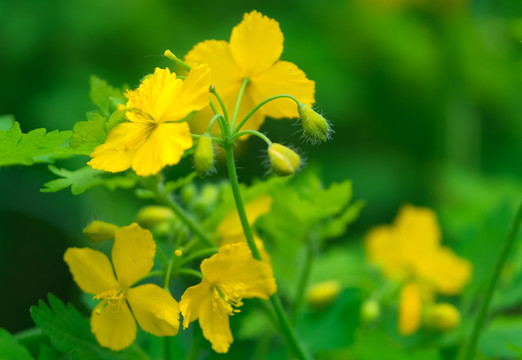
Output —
(409, 251)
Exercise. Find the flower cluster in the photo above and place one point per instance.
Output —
(409, 252)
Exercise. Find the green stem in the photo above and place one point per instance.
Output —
(238, 102)
(168, 273)
(220, 100)
(213, 138)
(252, 132)
(285, 326)
(470, 346)
(198, 254)
(192, 225)
(166, 348)
(212, 121)
(303, 282)
(271, 98)
(190, 272)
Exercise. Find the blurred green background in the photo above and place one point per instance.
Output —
(425, 98)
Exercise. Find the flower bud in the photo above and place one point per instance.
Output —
(98, 231)
(442, 317)
(204, 156)
(323, 293)
(370, 310)
(150, 216)
(315, 126)
(284, 161)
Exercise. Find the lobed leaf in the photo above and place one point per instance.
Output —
(70, 332)
(17, 148)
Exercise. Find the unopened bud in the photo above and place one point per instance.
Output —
(323, 293)
(284, 161)
(152, 215)
(315, 126)
(370, 310)
(178, 252)
(204, 156)
(442, 317)
(98, 231)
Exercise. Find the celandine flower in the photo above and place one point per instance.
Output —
(231, 231)
(252, 53)
(229, 276)
(112, 321)
(155, 135)
(410, 251)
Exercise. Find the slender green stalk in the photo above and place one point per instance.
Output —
(285, 326)
(212, 121)
(166, 348)
(192, 225)
(168, 272)
(238, 102)
(303, 282)
(213, 138)
(199, 254)
(220, 100)
(190, 272)
(252, 132)
(471, 344)
(255, 108)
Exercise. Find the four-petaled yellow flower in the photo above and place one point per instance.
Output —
(112, 321)
(252, 53)
(410, 251)
(229, 276)
(155, 134)
(231, 231)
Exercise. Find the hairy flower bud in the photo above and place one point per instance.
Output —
(315, 126)
(323, 293)
(98, 231)
(204, 156)
(442, 316)
(150, 216)
(284, 161)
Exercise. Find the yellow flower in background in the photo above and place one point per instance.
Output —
(229, 276)
(231, 231)
(410, 251)
(113, 321)
(253, 52)
(154, 135)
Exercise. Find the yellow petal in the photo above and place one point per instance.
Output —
(114, 327)
(256, 43)
(91, 270)
(448, 272)
(235, 271)
(203, 302)
(282, 78)
(410, 304)
(224, 73)
(417, 230)
(193, 95)
(154, 309)
(165, 146)
(117, 152)
(231, 225)
(154, 97)
(384, 251)
(132, 254)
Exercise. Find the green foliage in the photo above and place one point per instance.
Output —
(10, 349)
(70, 332)
(88, 134)
(36, 146)
(515, 349)
(85, 178)
(499, 331)
(6, 122)
(104, 96)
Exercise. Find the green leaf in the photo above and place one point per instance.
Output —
(116, 118)
(17, 148)
(70, 332)
(87, 135)
(10, 349)
(515, 349)
(105, 96)
(337, 226)
(500, 331)
(86, 178)
(6, 122)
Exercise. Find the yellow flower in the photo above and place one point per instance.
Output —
(253, 52)
(154, 135)
(112, 321)
(410, 251)
(231, 231)
(229, 276)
